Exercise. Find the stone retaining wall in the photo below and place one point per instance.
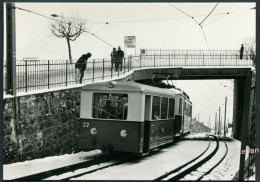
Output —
(41, 125)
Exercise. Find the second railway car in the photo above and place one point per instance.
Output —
(131, 117)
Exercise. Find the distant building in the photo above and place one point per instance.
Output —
(197, 127)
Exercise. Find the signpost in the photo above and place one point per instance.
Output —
(130, 42)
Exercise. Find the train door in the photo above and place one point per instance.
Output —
(148, 101)
(154, 121)
(183, 117)
(179, 117)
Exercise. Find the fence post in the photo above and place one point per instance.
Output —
(66, 72)
(169, 59)
(185, 59)
(236, 59)
(203, 58)
(111, 70)
(220, 58)
(154, 60)
(141, 61)
(131, 63)
(103, 74)
(25, 76)
(48, 74)
(118, 71)
(93, 70)
(124, 65)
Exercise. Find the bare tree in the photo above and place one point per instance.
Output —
(70, 29)
(249, 46)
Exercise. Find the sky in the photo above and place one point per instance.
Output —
(155, 25)
(162, 27)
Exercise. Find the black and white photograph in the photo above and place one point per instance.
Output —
(129, 91)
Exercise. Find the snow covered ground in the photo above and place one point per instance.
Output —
(20, 169)
(146, 168)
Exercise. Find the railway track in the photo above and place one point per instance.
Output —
(70, 168)
(199, 167)
(193, 167)
(105, 165)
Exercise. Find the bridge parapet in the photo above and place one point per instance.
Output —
(187, 60)
(38, 75)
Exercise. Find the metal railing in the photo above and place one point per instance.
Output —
(38, 75)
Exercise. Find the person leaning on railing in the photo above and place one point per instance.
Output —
(80, 67)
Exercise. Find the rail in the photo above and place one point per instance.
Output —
(47, 74)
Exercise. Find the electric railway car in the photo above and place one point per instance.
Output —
(131, 117)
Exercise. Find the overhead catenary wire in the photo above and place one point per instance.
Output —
(184, 13)
(205, 39)
(64, 22)
(107, 22)
(209, 13)
(216, 19)
(15, 7)
(198, 22)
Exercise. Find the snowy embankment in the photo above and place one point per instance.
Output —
(20, 169)
(146, 168)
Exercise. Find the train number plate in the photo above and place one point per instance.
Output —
(85, 124)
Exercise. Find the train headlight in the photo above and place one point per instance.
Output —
(123, 133)
(111, 84)
(93, 131)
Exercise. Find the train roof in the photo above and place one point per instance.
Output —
(130, 87)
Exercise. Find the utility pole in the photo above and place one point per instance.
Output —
(225, 117)
(10, 49)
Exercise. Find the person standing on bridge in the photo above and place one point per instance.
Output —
(113, 59)
(241, 51)
(120, 57)
(80, 67)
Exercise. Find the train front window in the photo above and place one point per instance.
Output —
(110, 106)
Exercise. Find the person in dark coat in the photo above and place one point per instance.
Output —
(120, 57)
(113, 58)
(80, 66)
(252, 54)
(241, 51)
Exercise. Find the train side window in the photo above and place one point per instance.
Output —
(187, 110)
(110, 106)
(171, 108)
(164, 108)
(180, 106)
(156, 108)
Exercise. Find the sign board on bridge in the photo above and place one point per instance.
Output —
(130, 41)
